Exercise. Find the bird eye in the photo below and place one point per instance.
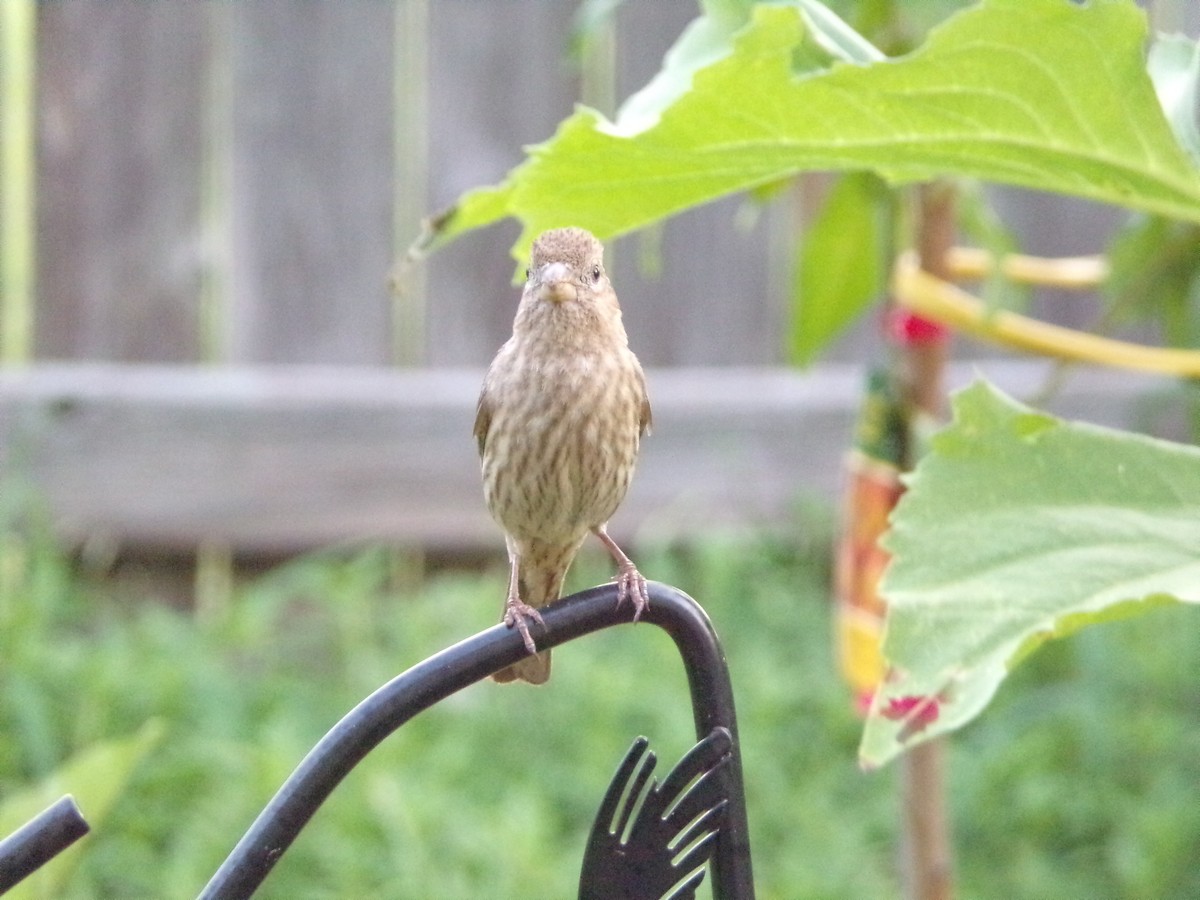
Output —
(527, 274)
(596, 274)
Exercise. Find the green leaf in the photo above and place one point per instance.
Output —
(96, 777)
(841, 267)
(1017, 528)
(1155, 276)
(1174, 68)
(1045, 94)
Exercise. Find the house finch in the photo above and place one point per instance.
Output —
(562, 411)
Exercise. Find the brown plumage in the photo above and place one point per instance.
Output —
(561, 414)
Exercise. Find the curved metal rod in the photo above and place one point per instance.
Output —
(40, 840)
(475, 658)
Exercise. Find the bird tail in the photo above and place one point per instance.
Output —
(543, 570)
(533, 669)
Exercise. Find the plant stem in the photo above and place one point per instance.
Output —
(928, 855)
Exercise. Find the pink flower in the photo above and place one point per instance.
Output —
(916, 712)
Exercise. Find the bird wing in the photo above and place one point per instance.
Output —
(483, 418)
(645, 418)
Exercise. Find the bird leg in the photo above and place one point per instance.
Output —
(631, 585)
(517, 613)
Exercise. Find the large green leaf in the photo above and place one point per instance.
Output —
(1046, 94)
(1017, 528)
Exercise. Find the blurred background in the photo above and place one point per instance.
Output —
(229, 352)
(238, 488)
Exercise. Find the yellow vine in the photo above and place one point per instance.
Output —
(933, 298)
(1074, 273)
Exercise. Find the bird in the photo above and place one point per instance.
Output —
(559, 423)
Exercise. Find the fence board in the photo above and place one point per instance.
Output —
(310, 181)
(510, 89)
(120, 91)
(283, 458)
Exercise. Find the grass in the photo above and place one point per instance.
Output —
(1079, 781)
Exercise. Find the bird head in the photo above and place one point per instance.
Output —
(566, 264)
(568, 298)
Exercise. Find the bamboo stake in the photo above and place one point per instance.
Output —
(411, 112)
(18, 29)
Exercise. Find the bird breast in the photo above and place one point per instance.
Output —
(563, 442)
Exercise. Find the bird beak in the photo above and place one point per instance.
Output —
(555, 283)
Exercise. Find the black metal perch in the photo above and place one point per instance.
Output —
(655, 842)
(39, 840)
(717, 757)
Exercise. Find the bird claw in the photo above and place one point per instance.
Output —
(631, 588)
(516, 615)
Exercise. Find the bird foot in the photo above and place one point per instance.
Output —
(517, 615)
(631, 587)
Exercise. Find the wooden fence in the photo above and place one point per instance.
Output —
(220, 194)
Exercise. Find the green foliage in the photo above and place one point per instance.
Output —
(1057, 776)
(842, 263)
(1044, 94)
(491, 793)
(1155, 277)
(1018, 528)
